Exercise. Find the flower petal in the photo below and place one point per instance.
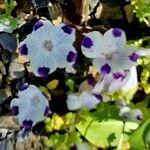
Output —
(15, 110)
(43, 71)
(37, 25)
(88, 100)
(143, 52)
(72, 102)
(65, 55)
(92, 44)
(114, 39)
(98, 63)
(27, 124)
(43, 61)
(63, 34)
(129, 82)
(105, 69)
(23, 49)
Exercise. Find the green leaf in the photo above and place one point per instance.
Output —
(52, 84)
(137, 138)
(102, 134)
(63, 141)
(71, 84)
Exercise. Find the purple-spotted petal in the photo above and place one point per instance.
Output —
(91, 81)
(71, 56)
(23, 49)
(139, 117)
(37, 25)
(134, 57)
(105, 69)
(46, 112)
(22, 87)
(118, 75)
(67, 29)
(116, 32)
(98, 96)
(114, 40)
(43, 71)
(15, 110)
(27, 124)
(87, 42)
(92, 44)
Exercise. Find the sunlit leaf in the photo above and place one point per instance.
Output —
(137, 139)
(52, 84)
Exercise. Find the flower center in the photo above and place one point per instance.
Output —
(35, 100)
(48, 46)
(109, 55)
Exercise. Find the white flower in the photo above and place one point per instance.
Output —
(49, 47)
(30, 108)
(84, 99)
(125, 81)
(108, 51)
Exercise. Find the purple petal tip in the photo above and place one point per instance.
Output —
(71, 56)
(105, 69)
(139, 117)
(118, 75)
(117, 32)
(43, 71)
(46, 112)
(27, 124)
(98, 96)
(37, 25)
(91, 81)
(87, 42)
(134, 57)
(67, 29)
(23, 49)
(15, 110)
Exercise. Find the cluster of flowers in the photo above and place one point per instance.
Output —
(50, 47)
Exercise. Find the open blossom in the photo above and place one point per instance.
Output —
(125, 81)
(109, 51)
(49, 47)
(89, 100)
(30, 108)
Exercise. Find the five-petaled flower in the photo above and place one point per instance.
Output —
(49, 47)
(30, 108)
(109, 51)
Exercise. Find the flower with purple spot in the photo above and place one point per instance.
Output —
(49, 47)
(87, 42)
(125, 81)
(67, 29)
(15, 110)
(30, 108)
(85, 99)
(109, 51)
(27, 124)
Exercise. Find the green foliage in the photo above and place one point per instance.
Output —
(138, 138)
(142, 10)
(63, 141)
(6, 18)
(103, 128)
